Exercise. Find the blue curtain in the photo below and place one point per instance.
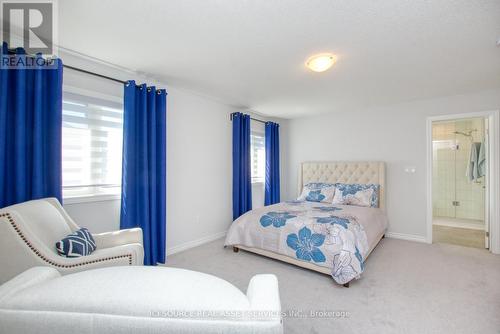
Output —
(30, 130)
(144, 167)
(272, 183)
(242, 183)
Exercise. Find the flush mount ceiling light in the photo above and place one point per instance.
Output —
(321, 62)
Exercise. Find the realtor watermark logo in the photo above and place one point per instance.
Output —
(30, 25)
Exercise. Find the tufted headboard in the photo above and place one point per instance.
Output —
(362, 172)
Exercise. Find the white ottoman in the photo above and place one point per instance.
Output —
(136, 300)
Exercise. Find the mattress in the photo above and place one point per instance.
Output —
(318, 236)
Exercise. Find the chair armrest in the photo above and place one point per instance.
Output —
(121, 255)
(118, 238)
(263, 294)
(135, 250)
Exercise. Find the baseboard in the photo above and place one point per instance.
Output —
(209, 238)
(459, 224)
(195, 243)
(403, 236)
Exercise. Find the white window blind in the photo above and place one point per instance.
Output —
(92, 137)
(257, 150)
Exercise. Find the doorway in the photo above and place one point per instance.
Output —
(459, 180)
(462, 180)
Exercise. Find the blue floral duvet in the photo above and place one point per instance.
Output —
(338, 237)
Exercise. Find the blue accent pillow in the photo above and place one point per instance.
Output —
(351, 189)
(77, 244)
(317, 192)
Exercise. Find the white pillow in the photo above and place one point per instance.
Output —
(317, 192)
(360, 198)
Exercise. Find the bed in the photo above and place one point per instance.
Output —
(323, 237)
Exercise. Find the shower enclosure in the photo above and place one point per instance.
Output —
(458, 197)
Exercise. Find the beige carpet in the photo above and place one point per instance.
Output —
(407, 287)
(458, 236)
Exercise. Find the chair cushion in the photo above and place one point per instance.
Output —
(130, 291)
(77, 244)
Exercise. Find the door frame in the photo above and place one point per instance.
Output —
(493, 184)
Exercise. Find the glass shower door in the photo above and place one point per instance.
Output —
(444, 170)
(454, 194)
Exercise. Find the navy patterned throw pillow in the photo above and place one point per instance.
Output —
(77, 244)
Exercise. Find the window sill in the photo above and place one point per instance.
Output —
(91, 198)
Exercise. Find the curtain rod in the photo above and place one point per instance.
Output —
(253, 119)
(257, 120)
(79, 69)
(94, 74)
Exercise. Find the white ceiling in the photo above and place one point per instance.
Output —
(251, 53)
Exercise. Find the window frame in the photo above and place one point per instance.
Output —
(255, 132)
(97, 196)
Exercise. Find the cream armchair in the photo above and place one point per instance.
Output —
(30, 230)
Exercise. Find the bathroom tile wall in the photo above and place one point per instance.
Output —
(451, 154)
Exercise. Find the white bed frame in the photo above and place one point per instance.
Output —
(361, 172)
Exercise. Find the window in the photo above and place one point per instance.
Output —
(92, 136)
(258, 152)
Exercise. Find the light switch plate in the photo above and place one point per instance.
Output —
(410, 169)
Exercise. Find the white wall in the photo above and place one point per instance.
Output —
(198, 174)
(199, 156)
(198, 168)
(199, 159)
(395, 134)
(98, 217)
